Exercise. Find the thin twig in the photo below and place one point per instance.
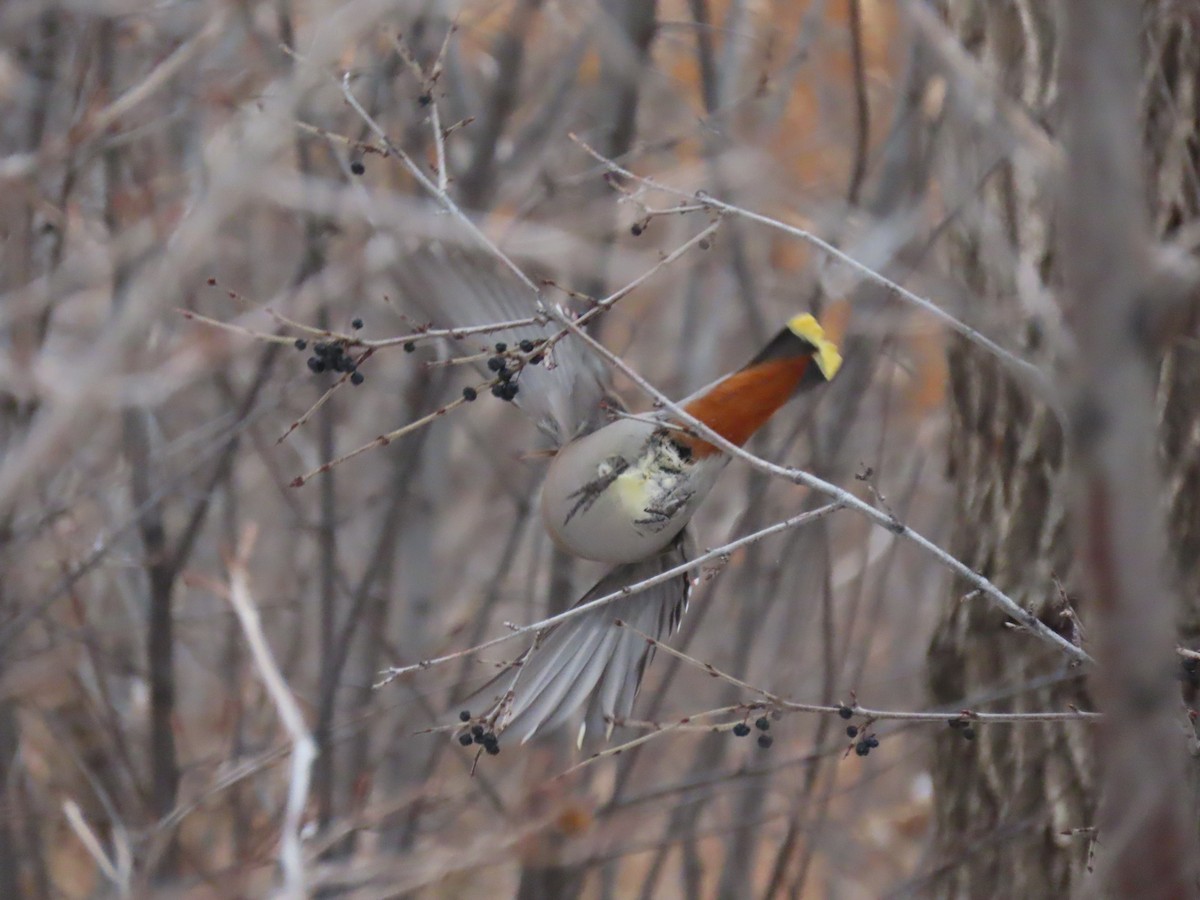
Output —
(91, 843)
(940, 716)
(442, 196)
(382, 441)
(801, 519)
(266, 337)
(322, 400)
(1026, 370)
(304, 751)
(354, 341)
(862, 107)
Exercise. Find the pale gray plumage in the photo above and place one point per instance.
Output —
(619, 490)
(589, 656)
(456, 288)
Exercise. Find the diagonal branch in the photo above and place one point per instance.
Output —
(843, 498)
(791, 522)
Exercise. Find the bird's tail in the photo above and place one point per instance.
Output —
(588, 659)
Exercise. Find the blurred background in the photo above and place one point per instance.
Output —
(202, 156)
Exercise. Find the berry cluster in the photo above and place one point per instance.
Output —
(478, 735)
(507, 368)
(763, 724)
(505, 388)
(332, 356)
(866, 745)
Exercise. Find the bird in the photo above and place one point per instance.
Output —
(620, 489)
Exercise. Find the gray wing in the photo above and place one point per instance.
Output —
(588, 659)
(456, 288)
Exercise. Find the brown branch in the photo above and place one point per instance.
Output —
(862, 107)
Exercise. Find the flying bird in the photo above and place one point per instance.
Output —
(620, 489)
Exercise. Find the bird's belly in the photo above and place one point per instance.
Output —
(610, 530)
(618, 504)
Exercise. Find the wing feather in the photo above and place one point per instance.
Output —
(588, 661)
(457, 288)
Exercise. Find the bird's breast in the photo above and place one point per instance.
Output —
(622, 494)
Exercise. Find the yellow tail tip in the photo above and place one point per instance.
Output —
(806, 327)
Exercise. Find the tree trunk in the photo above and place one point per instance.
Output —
(1016, 806)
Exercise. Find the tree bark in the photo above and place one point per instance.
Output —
(1017, 806)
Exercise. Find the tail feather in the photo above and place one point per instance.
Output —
(585, 684)
(537, 703)
(623, 676)
(614, 693)
(559, 652)
(589, 656)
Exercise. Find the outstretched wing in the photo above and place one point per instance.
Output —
(588, 659)
(457, 288)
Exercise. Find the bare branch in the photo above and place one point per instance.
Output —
(304, 748)
(844, 498)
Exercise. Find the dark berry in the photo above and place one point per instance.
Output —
(763, 723)
(466, 740)
(425, 99)
(636, 229)
(357, 378)
(957, 723)
(704, 244)
(851, 731)
(510, 391)
(845, 712)
(501, 346)
(356, 324)
(492, 749)
(469, 394)
(489, 737)
(862, 748)
(872, 742)
(495, 363)
(526, 345)
(765, 741)
(301, 344)
(357, 168)
(969, 734)
(320, 348)
(316, 365)
(498, 391)
(409, 347)
(477, 730)
(741, 729)
(464, 715)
